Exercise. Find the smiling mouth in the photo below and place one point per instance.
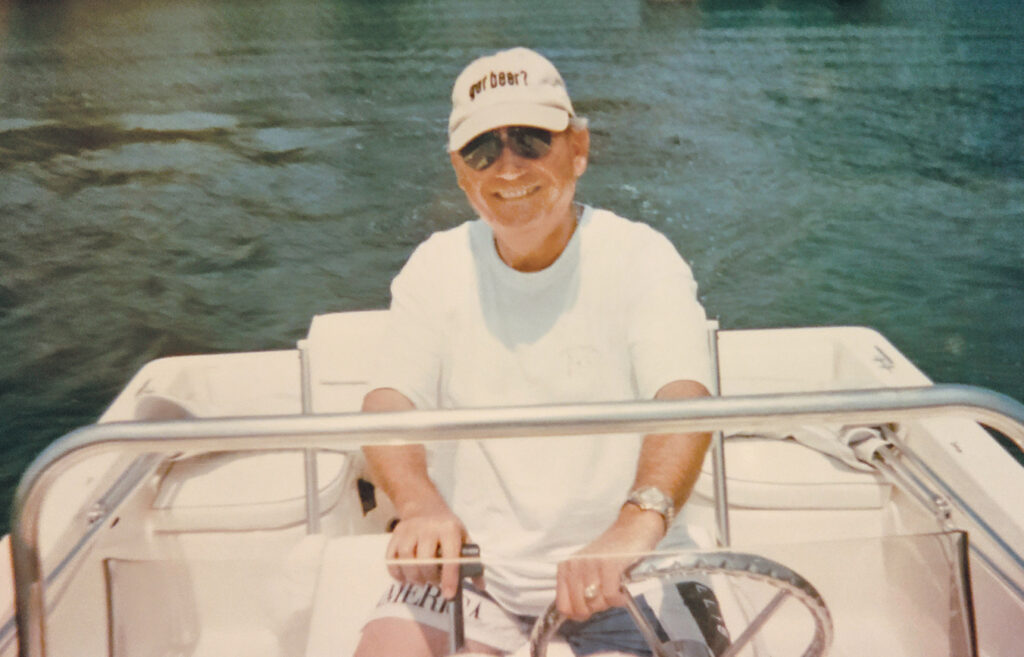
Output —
(516, 193)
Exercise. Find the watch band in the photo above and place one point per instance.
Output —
(652, 498)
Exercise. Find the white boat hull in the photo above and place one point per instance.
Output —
(221, 537)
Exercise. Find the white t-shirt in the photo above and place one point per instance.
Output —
(615, 318)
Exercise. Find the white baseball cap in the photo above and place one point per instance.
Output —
(511, 87)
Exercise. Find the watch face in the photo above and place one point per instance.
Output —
(652, 498)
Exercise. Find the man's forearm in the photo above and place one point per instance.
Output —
(590, 581)
(399, 470)
(671, 462)
(427, 528)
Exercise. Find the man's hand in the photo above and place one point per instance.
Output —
(589, 581)
(427, 528)
(427, 534)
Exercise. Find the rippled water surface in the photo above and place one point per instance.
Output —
(184, 176)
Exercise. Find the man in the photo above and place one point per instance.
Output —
(541, 301)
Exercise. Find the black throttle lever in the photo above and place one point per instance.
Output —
(457, 637)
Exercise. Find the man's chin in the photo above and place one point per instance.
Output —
(511, 212)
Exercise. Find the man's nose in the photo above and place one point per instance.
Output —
(508, 165)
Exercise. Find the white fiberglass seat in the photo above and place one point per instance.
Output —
(233, 492)
(226, 491)
(799, 477)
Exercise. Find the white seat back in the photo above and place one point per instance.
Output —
(342, 348)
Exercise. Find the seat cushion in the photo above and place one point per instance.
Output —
(771, 473)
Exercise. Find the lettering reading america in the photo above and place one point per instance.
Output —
(495, 80)
(426, 597)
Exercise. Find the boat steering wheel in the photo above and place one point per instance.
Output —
(734, 564)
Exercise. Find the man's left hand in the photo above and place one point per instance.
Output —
(590, 580)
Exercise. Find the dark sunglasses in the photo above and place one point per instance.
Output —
(525, 141)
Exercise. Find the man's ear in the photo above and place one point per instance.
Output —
(457, 164)
(581, 149)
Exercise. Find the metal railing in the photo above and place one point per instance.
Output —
(357, 429)
(96, 514)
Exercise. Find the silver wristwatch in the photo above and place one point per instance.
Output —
(652, 498)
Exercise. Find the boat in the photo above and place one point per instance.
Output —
(219, 506)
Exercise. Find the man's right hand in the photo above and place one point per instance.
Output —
(427, 528)
(428, 534)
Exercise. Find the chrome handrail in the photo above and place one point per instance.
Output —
(718, 475)
(94, 520)
(353, 430)
(309, 456)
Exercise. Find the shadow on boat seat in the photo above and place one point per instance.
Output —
(230, 491)
(225, 491)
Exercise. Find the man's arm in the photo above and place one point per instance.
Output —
(670, 462)
(427, 528)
